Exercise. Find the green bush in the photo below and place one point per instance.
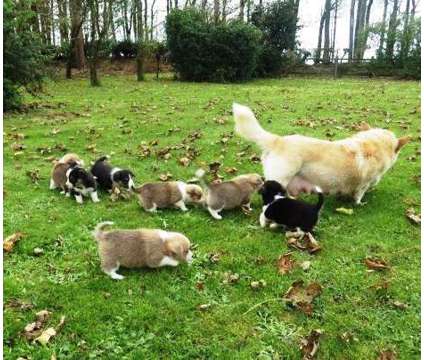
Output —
(24, 56)
(124, 49)
(202, 51)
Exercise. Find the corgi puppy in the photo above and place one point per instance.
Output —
(348, 167)
(71, 158)
(109, 177)
(280, 210)
(139, 248)
(168, 194)
(229, 194)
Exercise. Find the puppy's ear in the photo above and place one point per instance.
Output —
(402, 141)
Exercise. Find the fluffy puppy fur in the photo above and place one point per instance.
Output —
(139, 248)
(70, 159)
(79, 183)
(280, 210)
(229, 194)
(347, 167)
(159, 195)
(109, 177)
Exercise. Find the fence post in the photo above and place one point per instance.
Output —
(336, 61)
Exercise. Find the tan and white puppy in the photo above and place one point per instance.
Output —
(138, 248)
(159, 195)
(229, 194)
(58, 178)
(347, 167)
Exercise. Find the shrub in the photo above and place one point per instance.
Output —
(24, 56)
(278, 23)
(125, 49)
(202, 51)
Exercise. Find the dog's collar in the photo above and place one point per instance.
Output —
(114, 170)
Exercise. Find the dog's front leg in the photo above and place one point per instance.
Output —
(78, 196)
(94, 196)
(181, 205)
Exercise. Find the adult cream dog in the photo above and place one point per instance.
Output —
(347, 167)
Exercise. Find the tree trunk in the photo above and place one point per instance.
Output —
(351, 30)
(77, 51)
(391, 33)
(204, 3)
(241, 10)
(224, 10)
(146, 30)
(94, 44)
(327, 12)
(366, 30)
(167, 7)
(216, 11)
(63, 22)
(140, 50)
(321, 26)
(383, 30)
(152, 15)
(405, 43)
(359, 30)
(176, 4)
(334, 30)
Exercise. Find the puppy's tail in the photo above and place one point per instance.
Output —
(103, 158)
(320, 202)
(248, 127)
(98, 231)
(200, 174)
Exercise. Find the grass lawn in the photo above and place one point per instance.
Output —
(154, 314)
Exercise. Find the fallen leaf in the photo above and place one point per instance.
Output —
(184, 161)
(413, 217)
(255, 158)
(345, 211)
(200, 285)
(376, 264)
(33, 330)
(310, 344)
(214, 257)
(305, 243)
(11, 240)
(38, 251)
(231, 278)
(204, 307)
(285, 263)
(305, 265)
(17, 147)
(165, 177)
(214, 167)
(256, 285)
(302, 297)
(17, 304)
(386, 355)
(230, 170)
(47, 334)
(400, 305)
(34, 175)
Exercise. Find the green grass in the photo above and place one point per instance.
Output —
(153, 313)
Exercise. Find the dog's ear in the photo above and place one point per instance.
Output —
(402, 141)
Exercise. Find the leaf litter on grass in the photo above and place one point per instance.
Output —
(301, 296)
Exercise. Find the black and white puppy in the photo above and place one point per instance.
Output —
(79, 183)
(109, 177)
(280, 210)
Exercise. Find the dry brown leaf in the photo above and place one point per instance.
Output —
(11, 240)
(231, 170)
(285, 263)
(214, 166)
(33, 330)
(17, 304)
(47, 334)
(184, 161)
(34, 175)
(400, 305)
(204, 307)
(413, 217)
(375, 264)
(386, 355)
(231, 278)
(305, 243)
(256, 285)
(310, 344)
(345, 211)
(165, 177)
(302, 297)
(17, 147)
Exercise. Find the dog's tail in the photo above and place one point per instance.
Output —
(98, 231)
(320, 202)
(200, 174)
(103, 158)
(248, 127)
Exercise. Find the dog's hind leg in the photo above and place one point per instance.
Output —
(359, 194)
(215, 213)
(181, 205)
(113, 273)
(52, 185)
(280, 169)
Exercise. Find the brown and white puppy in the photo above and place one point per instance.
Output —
(229, 194)
(347, 167)
(139, 248)
(71, 158)
(159, 195)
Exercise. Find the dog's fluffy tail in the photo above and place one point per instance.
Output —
(103, 158)
(200, 174)
(98, 231)
(320, 198)
(248, 127)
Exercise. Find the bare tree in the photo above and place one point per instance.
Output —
(216, 11)
(224, 10)
(62, 7)
(152, 15)
(140, 50)
(351, 30)
(383, 29)
(360, 23)
(204, 3)
(321, 27)
(78, 12)
(146, 30)
(405, 42)
(327, 16)
(241, 10)
(336, 5)
(391, 32)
